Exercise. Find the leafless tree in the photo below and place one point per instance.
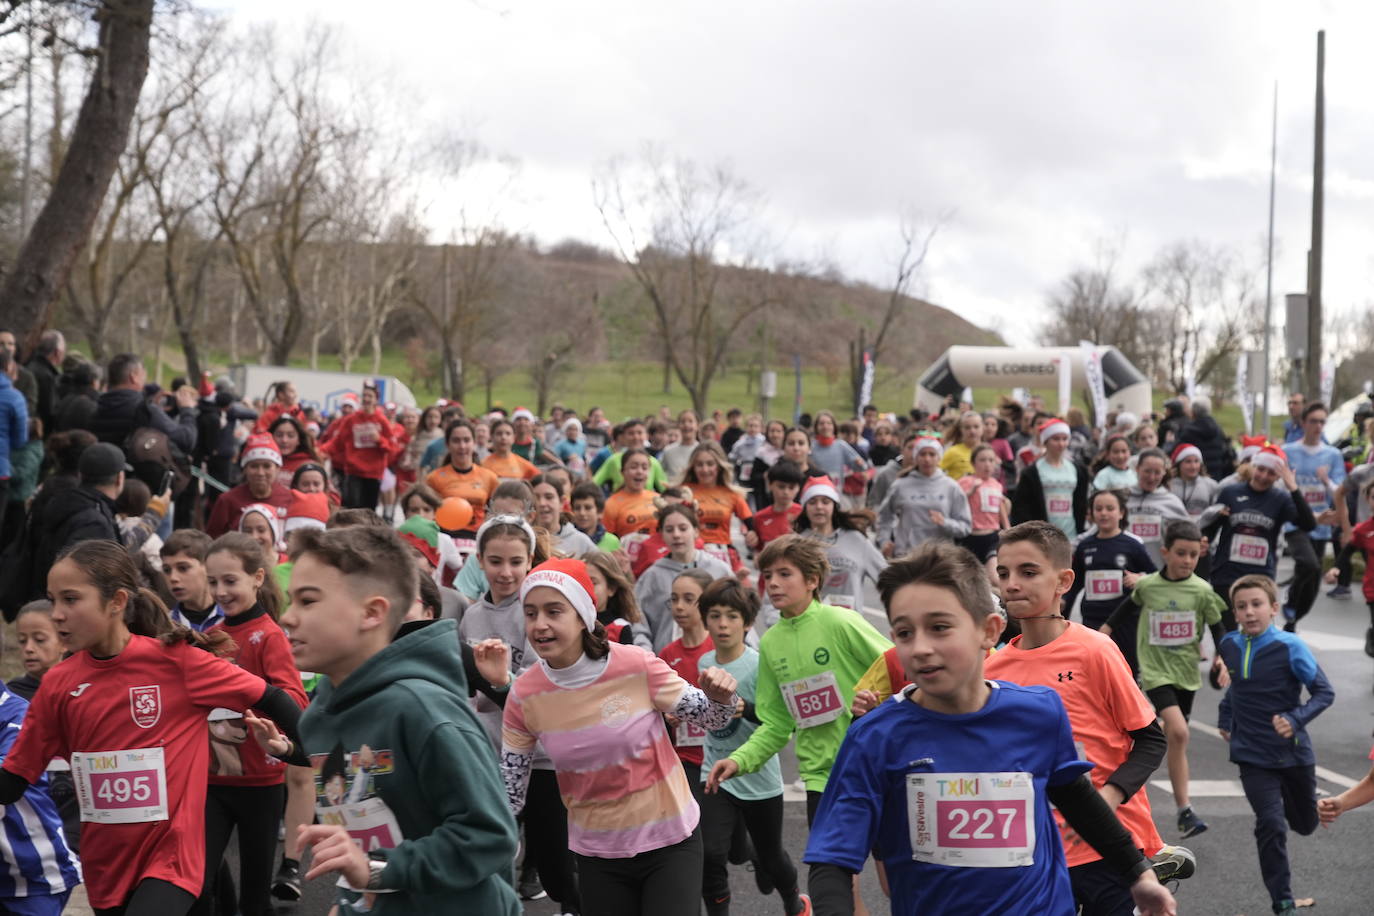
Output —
(92, 155)
(1094, 303)
(682, 230)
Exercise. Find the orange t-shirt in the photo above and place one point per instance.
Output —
(511, 467)
(1090, 675)
(715, 506)
(630, 513)
(476, 485)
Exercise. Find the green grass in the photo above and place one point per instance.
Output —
(636, 389)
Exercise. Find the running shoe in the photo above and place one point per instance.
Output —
(1189, 824)
(1173, 863)
(1285, 906)
(1369, 642)
(1340, 593)
(287, 884)
(528, 887)
(805, 906)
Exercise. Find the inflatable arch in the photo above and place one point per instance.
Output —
(1005, 368)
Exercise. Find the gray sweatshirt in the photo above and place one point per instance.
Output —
(882, 482)
(1148, 513)
(506, 622)
(572, 542)
(852, 559)
(654, 587)
(904, 516)
(1197, 496)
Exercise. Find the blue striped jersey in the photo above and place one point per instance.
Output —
(34, 858)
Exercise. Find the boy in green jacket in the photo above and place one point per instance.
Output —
(411, 807)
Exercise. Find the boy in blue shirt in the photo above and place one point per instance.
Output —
(953, 777)
(1264, 719)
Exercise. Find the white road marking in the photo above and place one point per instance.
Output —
(1205, 788)
(1331, 776)
(1330, 642)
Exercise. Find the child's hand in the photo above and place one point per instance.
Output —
(1283, 726)
(937, 517)
(864, 700)
(1328, 809)
(1129, 579)
(1331, 575)
(1152, 898)
(333, 850)
(1323, 474)
(1224, 510)
(1223, 674)
(267, 734)
(739, 707)
(719, 686)
(723, 770)
(1105, 629)
(1290, 480)
(889, 549)
(671, 719)
(751, 539)
(493, 661)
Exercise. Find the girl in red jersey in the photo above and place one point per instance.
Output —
(128, 708)
(247, 786)
(617, 609)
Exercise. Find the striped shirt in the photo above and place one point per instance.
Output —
(34, 858)
(618, 773)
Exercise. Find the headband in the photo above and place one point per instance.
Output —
(568, 578)
(515, 520)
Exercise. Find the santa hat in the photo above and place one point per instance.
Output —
(349, 399)
(422, 534)
(569, 578)
(260, 447)
(1027, 455)
(1251, 444)
(1052, 427)
(522, 413)
(307, 510)
(820, 486)
(924, 442)
(1271, 457)
(268, 512)
(1184, 452)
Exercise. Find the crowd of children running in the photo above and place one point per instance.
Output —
(407, 639)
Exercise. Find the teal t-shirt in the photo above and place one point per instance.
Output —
(1110, 478)
(1172, 618)
(1058, 484)
(767, 781)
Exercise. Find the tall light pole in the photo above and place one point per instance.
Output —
(1269, 258)
(1314, 265)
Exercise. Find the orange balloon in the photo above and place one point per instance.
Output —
(454, 514)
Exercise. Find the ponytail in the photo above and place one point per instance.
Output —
(595, 643)
(146, 615)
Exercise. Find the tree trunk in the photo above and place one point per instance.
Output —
(189, 346)
(101, 132)
(377, 352)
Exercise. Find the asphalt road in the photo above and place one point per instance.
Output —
(1332, 866)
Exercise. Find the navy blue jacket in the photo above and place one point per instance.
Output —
(1268, 673)
(1256, 515)
(14, 423)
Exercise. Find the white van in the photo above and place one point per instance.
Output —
(315, 387)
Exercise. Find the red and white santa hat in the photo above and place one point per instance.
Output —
(1271, 457)
(820, 486)
(307, 510)
(1251, 444)
(522, 413)
(569, 578)
(268, 512)
(260, 447)
(1184, 452)
(1052, 427)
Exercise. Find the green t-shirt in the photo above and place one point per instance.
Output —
(767, 782)
(608, 475)
(1172, 618)
(828, 644)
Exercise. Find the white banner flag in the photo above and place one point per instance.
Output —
(1244, 395)
(1328, 381)
(1065, 362)
(1092, 371)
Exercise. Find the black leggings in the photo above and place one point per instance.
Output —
(546, 840)
(664, 882)
(361, 492)
(1307, 572)
(763, 818)
(256, 812)
(153, 897)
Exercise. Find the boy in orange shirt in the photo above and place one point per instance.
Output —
(1113, 724)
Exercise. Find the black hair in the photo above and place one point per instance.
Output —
(1181, 529)
(784, 471)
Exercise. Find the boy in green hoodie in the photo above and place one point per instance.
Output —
(387, 721)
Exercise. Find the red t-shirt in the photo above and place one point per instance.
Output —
(770, 524)
(230, 505)
(236, 758)
(684, 661)
(1104, 703)
(148, 696)
(363, 444)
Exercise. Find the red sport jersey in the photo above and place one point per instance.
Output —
(136, 724)
(687, 738)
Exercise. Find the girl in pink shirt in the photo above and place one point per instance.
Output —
(597, 710)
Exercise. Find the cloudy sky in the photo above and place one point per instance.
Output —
(1042, 127)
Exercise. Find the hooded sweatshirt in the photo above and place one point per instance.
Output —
(656, 584)
(376, 743)
(1148, 513)
(485, 619)
(904, 517)
(572, 541)
(852, 558)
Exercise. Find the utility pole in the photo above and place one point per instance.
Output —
(1269, 258)
(1314, 271)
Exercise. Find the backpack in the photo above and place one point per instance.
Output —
(17, 571)
(152, 454)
